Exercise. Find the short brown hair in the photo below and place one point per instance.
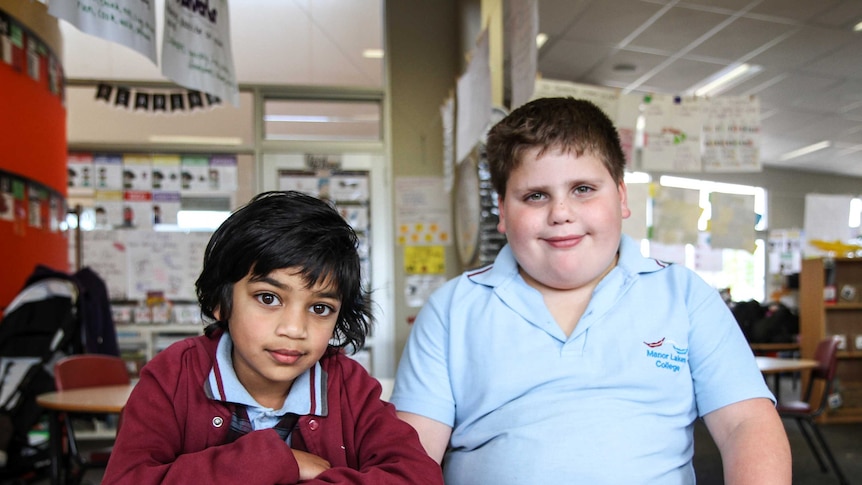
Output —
(567, 124)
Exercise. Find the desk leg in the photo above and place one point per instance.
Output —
(55, 436)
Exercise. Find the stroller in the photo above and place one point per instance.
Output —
(39, 326)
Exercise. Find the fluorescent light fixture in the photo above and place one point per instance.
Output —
(857, 27)
(196, 140)
(805, 150)
(370, 118)
(372, 53)
(541, 39)
(725, 79)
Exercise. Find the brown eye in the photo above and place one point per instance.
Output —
(268, 299)
(321, 309)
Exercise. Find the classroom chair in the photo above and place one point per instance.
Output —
(87, 370)
(806, 415)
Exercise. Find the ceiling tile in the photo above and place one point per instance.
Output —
(556, 15)
(677, 28)
(571, 61)
(740, 38)
(804, 45)
(604, 74)
(592, 23)
(793, 86)
(681, 75)
(843, 16)
(799, 10)
(846, 61)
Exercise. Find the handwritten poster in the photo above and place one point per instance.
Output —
(134, 262)
(196, 48)
(731, 135)
(732, 221)
(607, 99)
(672, 130)
(131, 23)
(675, 215)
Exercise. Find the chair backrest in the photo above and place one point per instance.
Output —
(90, 370)
(826, 354)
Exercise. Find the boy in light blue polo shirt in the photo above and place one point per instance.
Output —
(574, 359)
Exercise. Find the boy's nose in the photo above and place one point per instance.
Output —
(561, 212)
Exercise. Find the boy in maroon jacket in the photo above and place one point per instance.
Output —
(267, 396)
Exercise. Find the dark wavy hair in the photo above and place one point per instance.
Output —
(286, 229)
(566, 124)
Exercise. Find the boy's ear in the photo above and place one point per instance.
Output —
(501, 223)
(624, 201)
(217, 313)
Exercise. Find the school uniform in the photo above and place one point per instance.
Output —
(183, 424)
(614, 402)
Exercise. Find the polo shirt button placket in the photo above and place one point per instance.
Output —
(313, 424)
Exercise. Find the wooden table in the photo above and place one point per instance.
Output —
(777, 365)
(780, 365)
(103, 399)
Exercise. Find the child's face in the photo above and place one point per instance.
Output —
(279, 329)
(562, 216)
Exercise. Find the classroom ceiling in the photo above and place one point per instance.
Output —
(809, 85)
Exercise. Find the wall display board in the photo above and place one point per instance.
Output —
(134, 263)
(348, 189)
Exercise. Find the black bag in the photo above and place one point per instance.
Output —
(747, 313)
(778, 325)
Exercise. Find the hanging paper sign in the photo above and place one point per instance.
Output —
(131, 23)
(196, 47)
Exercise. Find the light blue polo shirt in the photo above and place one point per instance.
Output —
(299, 400)
(613, 403)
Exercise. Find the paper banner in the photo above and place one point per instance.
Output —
(196, 48)
(154, 101)
(131, 23)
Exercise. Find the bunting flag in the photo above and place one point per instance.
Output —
(152, 102)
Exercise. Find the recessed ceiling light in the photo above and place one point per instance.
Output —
(541, 39)
(857, 27)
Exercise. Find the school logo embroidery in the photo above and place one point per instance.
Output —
(665, 359)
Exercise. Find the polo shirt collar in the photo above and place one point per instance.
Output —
(633, 262)
(306, 396)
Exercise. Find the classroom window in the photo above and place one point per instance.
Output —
(743, 271)
(322, 120)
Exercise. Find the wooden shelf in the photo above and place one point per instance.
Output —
(834, 307)
(819, 319)
(842, 415)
